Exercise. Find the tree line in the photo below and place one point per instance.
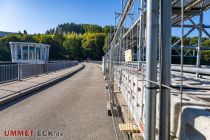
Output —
(76, 28)
(193, 41)
(68, 41)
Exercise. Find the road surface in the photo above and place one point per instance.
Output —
(74, 109)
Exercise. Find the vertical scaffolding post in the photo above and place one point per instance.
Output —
(200, 28)
(141, 28)
(151, 68)
(120, 45)
(165, 68)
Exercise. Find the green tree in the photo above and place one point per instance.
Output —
(92, 28)
(206, 43)
(72, 46)
(194, 41)
(25, 32)
(174, 39)
(108, 29)
(106, 44)
(5, 54)
(56, 45)
(93, 45)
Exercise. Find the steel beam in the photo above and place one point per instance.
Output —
(206, 33)
(123, 16)
(191, 26)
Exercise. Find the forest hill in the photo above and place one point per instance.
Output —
(78, 42)
(67, 41)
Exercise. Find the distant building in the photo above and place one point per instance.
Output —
(32, 53)
(2, 34)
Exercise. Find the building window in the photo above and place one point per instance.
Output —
(18, 53)
(43, 53)
(25, 52)
(38, 53)
(31, 52)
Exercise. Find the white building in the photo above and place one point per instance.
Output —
(33, 53)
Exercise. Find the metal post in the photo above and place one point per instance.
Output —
(165, 68)
(151, 68)
(141, 28)
(199, 42)
(28, 52)
(36, 70)
(35, 52)
(111, 71)
(19, 77)
(47, 65)
(21, 52)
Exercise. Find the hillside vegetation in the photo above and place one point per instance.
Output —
(68, 41)
(72, 41)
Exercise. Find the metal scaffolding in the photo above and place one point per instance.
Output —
(142, 46)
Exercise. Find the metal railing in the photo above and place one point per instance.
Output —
(12, 72)
(8, 72)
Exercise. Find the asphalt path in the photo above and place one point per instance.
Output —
(74, 109)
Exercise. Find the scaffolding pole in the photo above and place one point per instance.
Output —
(165, 68)
(141, 34)
(151, 68)
(200, 28)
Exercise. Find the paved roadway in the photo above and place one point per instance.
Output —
(75, 107)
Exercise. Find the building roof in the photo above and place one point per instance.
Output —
(29, 43)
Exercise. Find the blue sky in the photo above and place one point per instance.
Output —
(36, 16)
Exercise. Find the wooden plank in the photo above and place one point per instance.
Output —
(128, 127)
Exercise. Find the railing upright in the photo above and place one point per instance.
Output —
(19, 78)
